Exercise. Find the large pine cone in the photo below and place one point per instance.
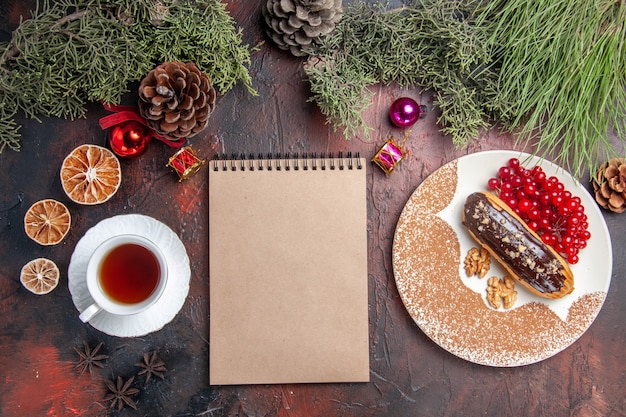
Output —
(176, 99)
(609, 185)
(295, 24)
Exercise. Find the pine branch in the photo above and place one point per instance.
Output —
(72, 52)
(430, 44)
(553, 67)
(562, 73)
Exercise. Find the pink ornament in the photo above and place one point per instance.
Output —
(389, 155)
(405, 111)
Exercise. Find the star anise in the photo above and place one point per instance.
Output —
(152, 365)
(120, 393)
(90, 358)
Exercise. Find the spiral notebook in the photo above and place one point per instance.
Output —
(288, 270)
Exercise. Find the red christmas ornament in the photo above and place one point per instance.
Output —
(129, 139)
(405, 111)
(130, 133)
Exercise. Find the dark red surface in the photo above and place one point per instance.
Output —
(410, 375)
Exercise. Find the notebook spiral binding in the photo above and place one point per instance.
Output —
(286, 162)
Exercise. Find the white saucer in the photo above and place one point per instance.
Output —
(175, 292)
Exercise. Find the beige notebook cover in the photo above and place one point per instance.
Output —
(288, 271)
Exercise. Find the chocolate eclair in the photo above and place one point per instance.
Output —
(516, 247)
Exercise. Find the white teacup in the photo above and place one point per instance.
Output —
(126, 274)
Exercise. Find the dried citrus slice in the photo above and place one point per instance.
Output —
(90, 174)
(40, 276)
(47, 222)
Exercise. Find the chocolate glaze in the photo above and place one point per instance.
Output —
(509, 239)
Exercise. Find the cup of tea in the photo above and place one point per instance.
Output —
(126, 274)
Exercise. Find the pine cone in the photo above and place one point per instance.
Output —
(296, 24)
(176, 99)
(609, 185)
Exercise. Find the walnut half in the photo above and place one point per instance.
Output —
(477, 262)
(501, 292)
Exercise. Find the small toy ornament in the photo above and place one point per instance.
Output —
(390, 154)
(185, 162)
(405, 111)
(129, 139)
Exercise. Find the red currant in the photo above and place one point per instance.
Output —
(506, 186)
(533, 225)
(547, 185)
(530, 188)
(573, 220)
(544, 223)
(542, 201)
(524, 205)
(545, 199)
(573, 259)
(511, 202)
(540, 176)
(564, 210)
(504, 172)
(534, 213)
(556, 200)
(493, 183)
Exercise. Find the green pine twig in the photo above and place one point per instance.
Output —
(71, 52)
(431, 44)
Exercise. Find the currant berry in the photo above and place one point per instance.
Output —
(511, 202)
(540, 176)
(573, 220)
(506, 186)
(573, 204)
(544, 223)
(547, 185)
(504, 172)
(530, 189)
(533, 225)
(556, 200)
(524, 205)
(545, 199)
(564, 210)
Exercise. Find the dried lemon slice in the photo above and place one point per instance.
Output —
(40, 276)
(47, 222)
(90, 174)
